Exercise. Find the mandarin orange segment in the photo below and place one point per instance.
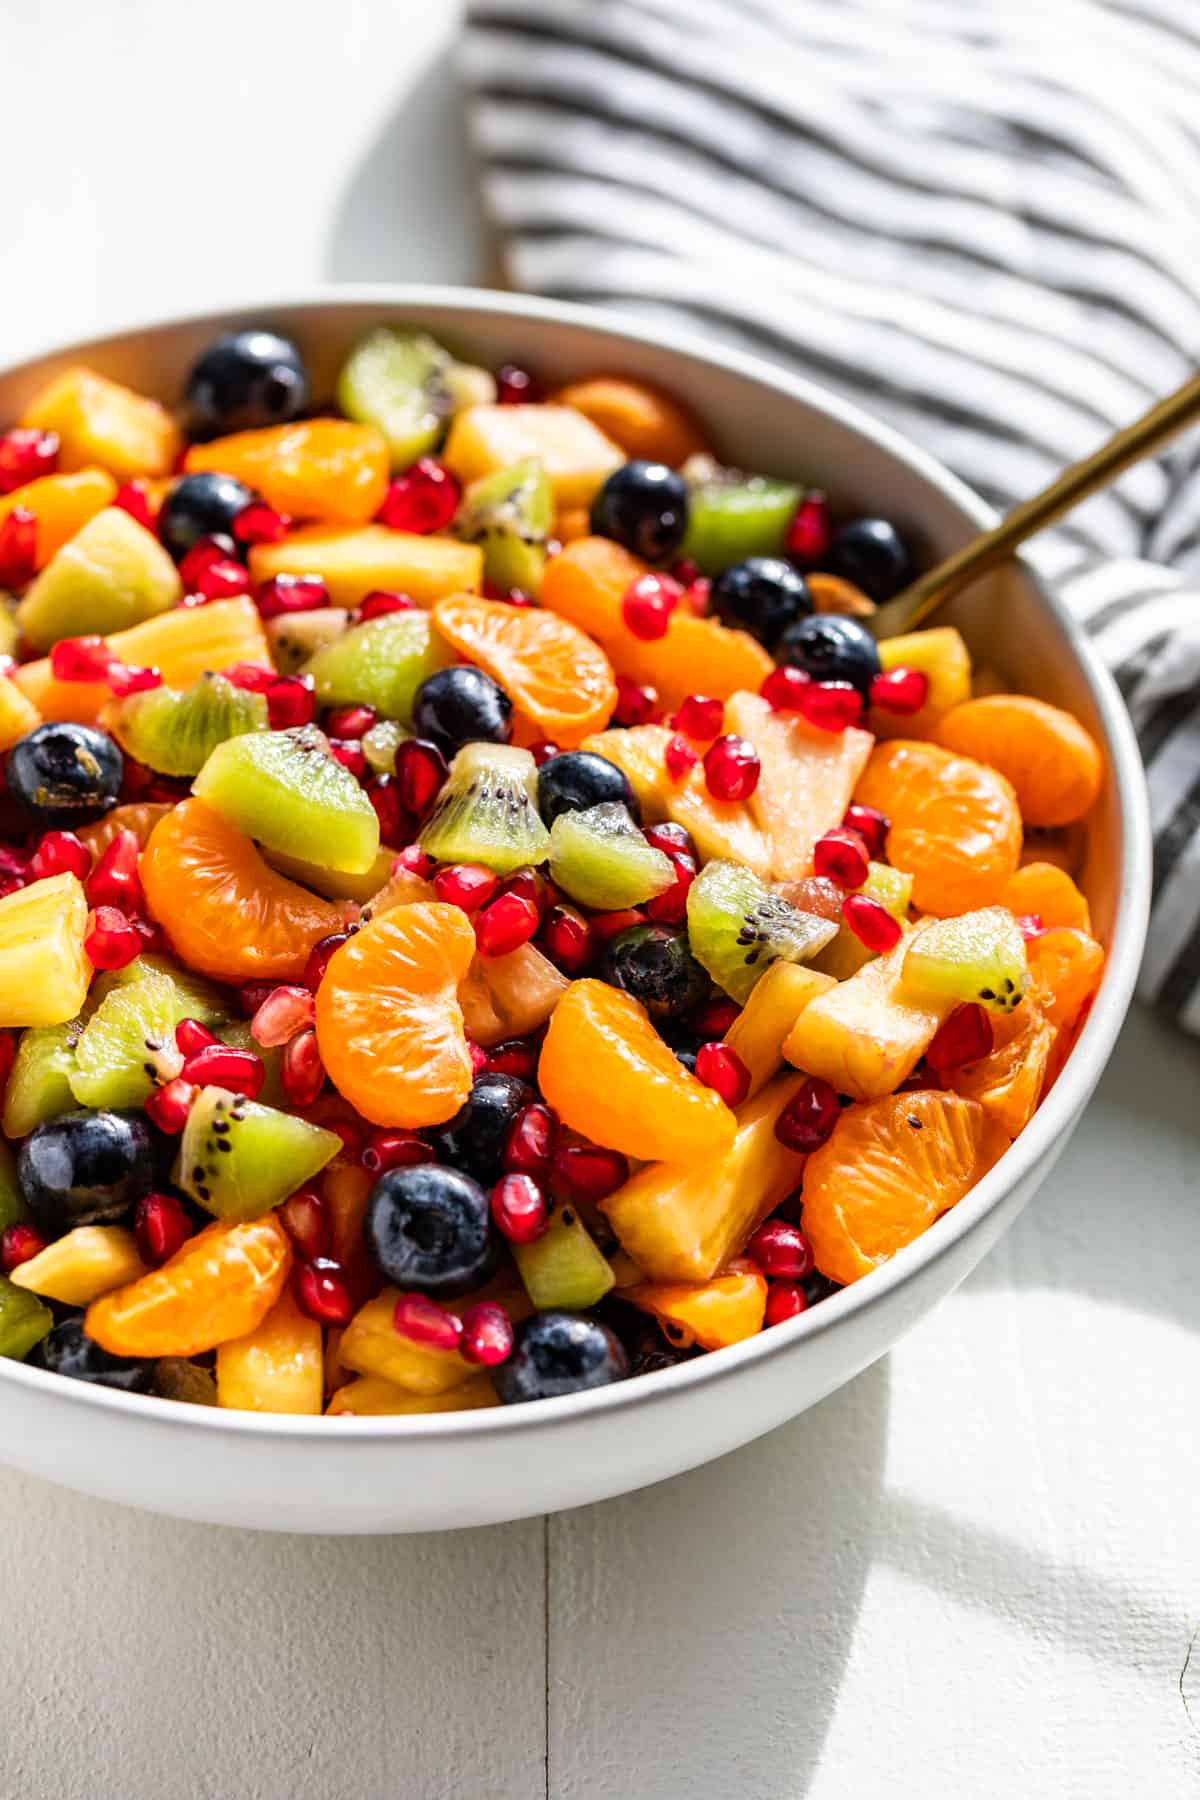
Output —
(62, 505)
(227, 913)
(888, 1171)
(556, 676)
(101, 421)
(1042, 888)
(139, 816)
(220, 1285)
(644, 421)
(609, 1075)
(713, 1314)
(955, 823)
(1053, 763)
(389, 1025)
(1008, 1081)
(328, 469)
(1065, 968)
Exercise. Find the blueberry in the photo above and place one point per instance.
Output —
(65, 775)
(764, 595)
(688, 1059)
(461, 706)
(429, 1230)
(86, 1167)
(67, 1350)
(243, 380)
(872, 554)
(474, 1138)
(201, 505)
(657, 967)
(577, 779)
(831, 648)
(560, 1353)
(643, 505)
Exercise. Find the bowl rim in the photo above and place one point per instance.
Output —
(1053, 1120)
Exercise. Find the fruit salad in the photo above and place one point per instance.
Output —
(481, 916)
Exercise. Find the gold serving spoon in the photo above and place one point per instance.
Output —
(984, 553)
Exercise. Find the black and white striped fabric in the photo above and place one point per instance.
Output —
(978, 218)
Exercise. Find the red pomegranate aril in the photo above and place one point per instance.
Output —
(18, 547)
(781, 1249)
(811, 531)
(478, 1056)
(519, 1208)
(251, 996)
(301, 1071)
(635, 705)
(784, 1301)
(784, 687)
(259, 523)
(60, 853)
(700, 717)
(670, 837)
(154, 939)
(221, 1065)
(809, 1116)
(425, 1322)
(542, 751)
(420, 771)
(532, 1140)
(383, 600)
(530, 886)
(588, 1172)
(607, 925)
(290, 594)
(900, 690)
(731, 768)
(515, 1057)
(841, 856)
(161, 1227)
(964, 1036)
(115, 880)
(168, 1107)
(414, 861)
(872, 826)
(112, 941)
(424, 499)
(830, 705)
(129, 678)
(715, 1019)
(290, 702)
(696, 596)
(516, 386)
(284, 1012)
(317, 963)
(487, 1335)
(384, 795)
(508, 922)
(1030, 925)
(566, 938)
(81, 659)
(323, 1292)
(871, 923)
(670, 907)
(25, 455)
(215, 578)
(349, 721)
(305, 1218)
(721, 1068)
(648, 604)
(394, 1150)
(350, 754)
(14, 869)
(468, 885)
(8, 1055)
(679, 757)
(18, 1244)
(191, 1035)
(134, 497)
(251, 677)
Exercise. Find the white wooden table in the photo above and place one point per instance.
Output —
(975, 1572)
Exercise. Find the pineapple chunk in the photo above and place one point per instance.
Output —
(684, 1221)
(864, 1036)
(807, 782)
(351, 562)
(44, 973)
(776, 1002)
(371, 1345)
(112, 574)
(99, 421)
(18, 716)
(62, 505)
(278, 1367)
(577, 457)
(939, 653)
(713, 1313)
(508, 996)
(370, 1396)
(78, 1268)
(720, 828)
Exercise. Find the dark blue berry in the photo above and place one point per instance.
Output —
(577, 779)
(643, 505)
(86, 1167)
(559, 1353)
(429, 1229)
(872, 554)
(201, 505)
(65, 774)
(460, 706)
(474, 1138)
(645, 1346)
(67, 1350)
(764, 595)
(245, 379)
(831, 648)
(657, 967)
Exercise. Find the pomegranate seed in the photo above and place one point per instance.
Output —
(384, 795)
(468, 885)
(566, 938)
(382, 600)
(532, 1139)
(670, 907)
(14, 869)
(317, 963)
(588, 1172)
(191, 1035)
(635, 705)
(963, 1037)
(700, 717)
(394, 1150)
(871, 923)
(679, 757)
(301, 1071)
(284, 1012)
(350, 754)
(115, 880)
(830, 705)
(18, 547)
(781, 1249)
(510, 921)
(290, 594)
(414, 861)
(161, 1227)
(290, 702)
(420, 772)
(221, 1065)
(168, 1108)
(424, 499)
(18, 1244)
(305, 1218)
(8, 1055)
(154, 938)
(206, 570)
(648, 604)
(350, 721)
(784, 1301)
(731, 768)
(783, 688)
(425, 1322)
(809, 1116)
(608, 925)
(1030, 925)
(323, 1293)
(542, 751)
(251, 996)
(531, 886)
(516, 1057)
(25, 455)
(715, 1019)
(478, 1056)
(353, 1133)
(516, 386)
(811, 531)
(871, 826)
(134, 498)
(126, 678)
(696, 596)
(81, 659)
(487, 1335)
(60, 853)
(670, 837)
(723, 1070)
(900, 690)
(841, 856)
(519, 1208)
(259, 523)
(251, 677)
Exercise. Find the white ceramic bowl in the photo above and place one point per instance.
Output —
(382, 1475)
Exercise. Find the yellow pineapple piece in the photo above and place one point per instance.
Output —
(684, 1221)
(576, 456)
(720, 828)
(278, 1368)
(865, 1036)
(808, 778)
(371, 1345)
(18, 716)
(370, 1396)
(112, 574)
(99, 421)
(776, 1001)
(78, 1268)
(351, 561)
(44, 973)
(509, 996)
(939, 653)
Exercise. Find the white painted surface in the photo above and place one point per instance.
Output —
(974, 1572)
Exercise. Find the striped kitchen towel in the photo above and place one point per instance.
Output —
(977, 218)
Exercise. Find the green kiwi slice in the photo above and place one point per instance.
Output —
(128, 1045)
(397, 381)
(175, 732)
(732, 515)
(39, 1086)
(600, 858)
(12, 1201)
(738, 927)
(380, 663)
(113, 573)
(510, 514)
(239, 1158)
(564, 1267)
(284, 788)
(295, 637)
(487, 811)
(24, 1320)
